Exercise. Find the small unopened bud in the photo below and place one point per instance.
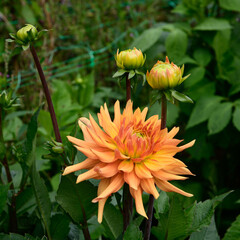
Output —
(165, 75)
(130, 59)
(27, 33)
(57, 149)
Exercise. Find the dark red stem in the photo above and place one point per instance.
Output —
(148, 224)
(47, 94)
(128, 88)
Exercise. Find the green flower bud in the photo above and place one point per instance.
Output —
(165, 75)
(27, 34)
(130, 59)
(57, 149)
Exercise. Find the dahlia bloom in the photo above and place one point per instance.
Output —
(129, 150)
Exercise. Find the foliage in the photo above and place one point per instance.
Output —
(77, 55)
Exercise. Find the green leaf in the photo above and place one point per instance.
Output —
(233, 232)
(203, 109)
(147, 39)
(133, 232)
(213, 24)
(28, 14)
(168, 95)
(236, 117)
(112, 221)
(176, 44)
(181, 97)
(220, 117)
(207, 233)
(203, 56)
(119, 73)
(131, 74)
(197, 75)
(76, 199)
(161, 205)
(10, 40)
(42, 198)
(143, 76)
(231, 5)
(3, 196)
(25, 47)
(59, 227)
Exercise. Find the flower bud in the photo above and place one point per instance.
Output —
(130, 59)
(27, 33)
(165, 75)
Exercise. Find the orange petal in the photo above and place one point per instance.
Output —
(148, 186)
(116, 183)
(107, 157)
(156, 163)
(144, 113)
(173, 132)
(137, 195)
(80, 143)
(126, 166)
(180, 170)
(168, 187)
(117, 114)
(104, 183)
(132, 180)
(165, 176)
(87, 152)
(141, 171)
(86, 135)
(86, 164)
(188, 145)
(87, 175)
(107, 170)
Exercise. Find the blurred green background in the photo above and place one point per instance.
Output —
(77, 55)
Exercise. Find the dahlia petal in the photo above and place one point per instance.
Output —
(87, 175)
(173, 132)
(168, 187)
(144, 113)
(137, 195)
(148, 186)
(180, 170)
(86, 152)
(126, 166)
(156, 163)
(104, 183)
(141, 171)
(132, 179)
(86, 164)
(87, 136)
(116, 183)
(80, 142)
(117, 114)
(188, 145)
(119, 155)
(166, 176)
(106, 156)
(107, 170)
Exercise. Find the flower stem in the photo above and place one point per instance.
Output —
(127, 198)
(47, 94)
(148, 224)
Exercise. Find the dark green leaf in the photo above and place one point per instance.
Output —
(236, 117)
(59, 227)
(76, 198)
(181, 97)
(112, 221)
(203, 109)
(202, 56)
(220, 117)
(207, 233)
(231, 5)
(168, 95)
(42, 198)
(133, 232)
(161, 205)
(213, 24)
(143, 76)
(197, 75)
(3, 196)
(176, 44)
(233, 232)
(119, 73)
(147, 39)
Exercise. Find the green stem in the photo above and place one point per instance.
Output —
(148, 224)
(127, 198)
(47, 94)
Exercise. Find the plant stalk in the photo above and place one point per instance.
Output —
(148, 224)
(47, 94)
(127, 198)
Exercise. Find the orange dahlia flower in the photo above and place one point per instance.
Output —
(129, 149)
